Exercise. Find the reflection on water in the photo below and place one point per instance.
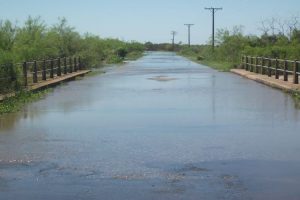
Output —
(114, 134)
(297, 101)
(8, 121)
(71, 99)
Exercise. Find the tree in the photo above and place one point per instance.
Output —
(29, 43)
(68, 39)
(7, 35)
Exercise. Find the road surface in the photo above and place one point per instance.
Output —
(161, 127)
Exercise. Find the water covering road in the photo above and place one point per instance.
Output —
(161, 127)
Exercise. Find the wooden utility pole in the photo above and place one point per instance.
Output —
(189, 33)
(213, 11)
(173, 33)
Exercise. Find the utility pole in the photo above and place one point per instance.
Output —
(213, 11)
(173, 33)
(189, 33)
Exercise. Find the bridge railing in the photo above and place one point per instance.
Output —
(279, 68)
(20, 75)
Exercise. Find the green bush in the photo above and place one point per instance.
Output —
(122, 52)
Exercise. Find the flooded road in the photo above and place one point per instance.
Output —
(161, 127)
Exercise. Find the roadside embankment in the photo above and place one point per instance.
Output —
(270, 81)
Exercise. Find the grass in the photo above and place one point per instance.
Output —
(95, 72)
(134, 55)
(296, 97)
(215, 64)
(15, 103)
(218, 65)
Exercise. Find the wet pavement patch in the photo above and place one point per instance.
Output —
(198, 181)
(8, 164)
(162, 78)
(129, 177)
(193, 168)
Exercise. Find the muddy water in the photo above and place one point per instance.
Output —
(161, 127)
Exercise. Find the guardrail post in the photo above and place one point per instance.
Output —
(12, 74)
(285, 73)
(71, 67)
(251, 64)
(276, 69)
(256, 64)
(295, 72)
(75, 64)
(25, 73)
(34, 76)
(44, 70)
(79, 63)
(262, 66)
(65, 65)
(269, 67)
(246, 68)
(242, 62)
(51, 68)
(58, 67)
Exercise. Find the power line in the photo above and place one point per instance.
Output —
(213, 11)
(189, 33)
(173, 33)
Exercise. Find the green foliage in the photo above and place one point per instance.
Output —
(231, 45)
(7, 35)
(8, 78)
(29, 41)
(296, 98)
(13, 104)
(36, 41)
(68, 41)
(296, 95)
(113, 58)
(192, 52)
(122, 52)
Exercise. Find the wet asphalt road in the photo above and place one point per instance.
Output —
(161, 127)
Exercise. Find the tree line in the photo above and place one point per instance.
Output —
(35, 40)
(279, 39)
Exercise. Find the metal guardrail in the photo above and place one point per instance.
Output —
(272, 67)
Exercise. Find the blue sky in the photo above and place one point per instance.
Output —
(150, 20)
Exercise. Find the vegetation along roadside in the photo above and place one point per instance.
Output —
(15, 103)
(276, 38)
(35, 40)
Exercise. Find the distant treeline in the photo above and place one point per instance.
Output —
(35, 40)
(231, 45)
(149, 46)
(279, 39)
